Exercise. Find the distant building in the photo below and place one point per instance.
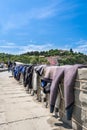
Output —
(53, 60)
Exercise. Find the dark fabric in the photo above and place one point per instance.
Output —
(43, 83)
(46, 83)
(16, 72)
(69, 112)
(46, 89)
(28, 76)
(68, 72)
(39, 69)
(24, 73)
(46, 80)
(51, 108)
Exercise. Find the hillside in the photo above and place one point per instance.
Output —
(54, 57)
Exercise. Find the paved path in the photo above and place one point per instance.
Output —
(18, 110)
(3, 69)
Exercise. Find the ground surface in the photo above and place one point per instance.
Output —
(19, 111)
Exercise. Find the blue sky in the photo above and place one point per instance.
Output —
(29, 25)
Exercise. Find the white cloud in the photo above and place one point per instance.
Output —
(35, 47)
(81, 42)
(13, 48)
(4, 43)
(43, 13)
(81, 46)
(10, 44)
(78, 46)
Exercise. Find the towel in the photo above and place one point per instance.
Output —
(68, 72)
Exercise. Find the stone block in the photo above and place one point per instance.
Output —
(77, 84)
(82, 74)
(84, 117)
(77, 97)
(77, 114)
(83, 99)
(76, 126)
(83, 85)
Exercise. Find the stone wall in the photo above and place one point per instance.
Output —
(79, 118)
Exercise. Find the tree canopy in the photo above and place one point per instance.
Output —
(36, 57)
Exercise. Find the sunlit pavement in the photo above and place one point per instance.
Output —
(18, 110)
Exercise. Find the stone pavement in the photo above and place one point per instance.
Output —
(19, 111)
(3, 69)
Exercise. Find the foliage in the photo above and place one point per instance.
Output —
(36, 57)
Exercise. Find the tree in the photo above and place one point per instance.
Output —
(71, 50)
